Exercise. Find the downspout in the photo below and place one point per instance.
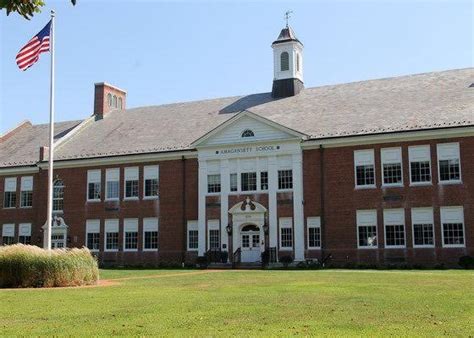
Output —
(321, 189)
(183, 251)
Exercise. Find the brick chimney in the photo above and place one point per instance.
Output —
(108, 98)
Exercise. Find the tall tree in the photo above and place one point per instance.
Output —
(26, 8)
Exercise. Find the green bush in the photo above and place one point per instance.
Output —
(466, 262)
(23, 266)
(286, 260)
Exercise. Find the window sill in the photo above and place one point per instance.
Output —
(395, 247)
(449, 182)
(9, 208)
(150, 250)
(423, 246)
(111, 250)
(286, 249)
(131, 199)
(130, 250)
(213, 194)
(112, 200)
(284, 190)
(367, 247)
(421, 184)
(314, 248)
(148, 198)
(398, 185)
(454, 246)
(192, 250)
(93, 201)
(30, 207)
(363, 187)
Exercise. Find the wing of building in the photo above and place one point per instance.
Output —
(373, 172)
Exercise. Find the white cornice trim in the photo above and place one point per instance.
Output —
(18, 170)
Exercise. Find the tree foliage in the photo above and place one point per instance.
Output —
(26, 8)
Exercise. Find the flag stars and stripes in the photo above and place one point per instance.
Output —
(29, 54)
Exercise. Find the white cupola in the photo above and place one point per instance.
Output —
(287, 64)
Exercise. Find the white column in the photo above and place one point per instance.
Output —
(298, 206)
(272, 201)
(225, 188)
(202, 179)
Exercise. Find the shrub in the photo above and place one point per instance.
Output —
(286, 260)
(466, 262)
(202, 261)
(24, 266)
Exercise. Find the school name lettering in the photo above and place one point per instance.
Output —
(242, 150)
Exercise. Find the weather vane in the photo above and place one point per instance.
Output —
(288, 16)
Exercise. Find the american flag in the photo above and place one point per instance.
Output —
(29, 54)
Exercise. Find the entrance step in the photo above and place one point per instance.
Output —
(243, 266)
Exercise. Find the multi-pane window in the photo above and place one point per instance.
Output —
(248, 181)
(248, 133)
(392, 166)
(214, 183)
(93, 185)
(131, 183)
(112, 184)
(24, 233)
(193, 235)
(452, 226)
(286, 233)
(150, 176)
(285, 179)
(366, 228)
(314, 232)
(130, 238)
(26, 194)
(284, 61)
(394, 222)
(420, 164)
(8, 234)
(111, 231)
(58, 196)
(150, 233)
(423, 230)
(233, 182)
(9, 196)
(364, 168)
(449, 165)
(214, 239)
(93, 234)
(264, 180)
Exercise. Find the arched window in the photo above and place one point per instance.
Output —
(120, 103)
(58, 196)
(284, 61)
(109, 99)
(297, 62)
(115, 101)
(248, 133)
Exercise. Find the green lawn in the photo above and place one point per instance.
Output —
(249, 303)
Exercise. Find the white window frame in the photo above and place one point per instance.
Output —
(10, 186)
(422, 216)
(441, 150)
(207, 184)
(24, 230)
(94, 176)
(192, 226)
(26, 185)
(213, 224)
(448, 215)
(92, 227)
(286, 223)
(112, 175)
(367, 218)
(8, 230)
(391, 156)
(130, 225)
(361, 158)
(150, 224)
(129, 175)
(111, 226)
(394, 217)
(314, 223)
(151, 172)
(420, 153)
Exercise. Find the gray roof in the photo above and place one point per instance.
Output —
(415, 102)
(286, 34)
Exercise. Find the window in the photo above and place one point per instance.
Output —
(131, 183)
(284, 61)
(248, 181)
(8, 234)
(366, 229)
(449, 166)
(285, 179)
(111, 235)
(93, 234)
(248, 133)
(93, 185)
(392, 166)
(214, 183)
(297, 62)
(264, 180)
(193, 235)
(26, 194)
(115, 101)
(233, 182)
(112, 184)
(150, 233)
(120, 103)
(314, 232)
(452, 226)
(109, 99)
(24, 233)
(423, 230)
(286, 233)
(130, 238)
(420, 164)
(58, 196)
(150, 176)
(394, 222)
(214, 239)
(9, 200)
(364, 168)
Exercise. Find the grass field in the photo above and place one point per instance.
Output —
(249, 303)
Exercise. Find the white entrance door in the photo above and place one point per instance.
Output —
(250, 244)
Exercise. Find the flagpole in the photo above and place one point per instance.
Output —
(47, 232)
